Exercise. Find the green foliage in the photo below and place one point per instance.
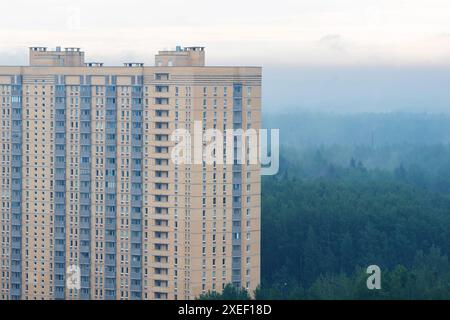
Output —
(230, 292)
(323, 224)
(353, 191)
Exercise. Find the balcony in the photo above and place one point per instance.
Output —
(161, 76)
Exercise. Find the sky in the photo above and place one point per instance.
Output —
(389, 44)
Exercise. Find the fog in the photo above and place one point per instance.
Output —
(356, 89)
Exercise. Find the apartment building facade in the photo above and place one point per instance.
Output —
(89, 186)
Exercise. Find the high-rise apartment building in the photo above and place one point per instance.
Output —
(93, 205)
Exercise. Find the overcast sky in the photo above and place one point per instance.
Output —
(288, 32)
(278, 35)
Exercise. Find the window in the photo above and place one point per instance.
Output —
(161, 76)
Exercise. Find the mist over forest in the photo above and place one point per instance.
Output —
(302, 129)
(356, 89)
(356, 189)
(379, 140)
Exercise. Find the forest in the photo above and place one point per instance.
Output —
(334, 208)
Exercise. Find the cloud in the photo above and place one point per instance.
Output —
(334, 42)
(350, 32)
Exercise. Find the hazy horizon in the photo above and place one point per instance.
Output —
(317, 55)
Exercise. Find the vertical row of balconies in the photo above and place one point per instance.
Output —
(136, 188)
(160, 184)
(85, 206)
(237, 190)
(111, 191)
(60, 191)
(16, 189)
